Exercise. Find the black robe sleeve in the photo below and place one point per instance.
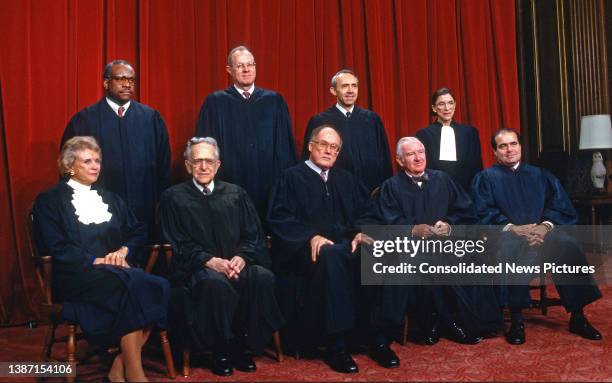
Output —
(189, 255)
(485, 203)
(291, 234)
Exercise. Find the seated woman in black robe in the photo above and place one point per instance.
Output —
(91, 236)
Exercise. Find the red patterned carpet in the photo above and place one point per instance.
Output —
(550, 354)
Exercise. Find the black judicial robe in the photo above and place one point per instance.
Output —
(222, 224)
(317, 299)
(107, 302)
(254, 136)
(365, 148)
(531, 195)
(302, 206)
(467, 144)
(528, 195)
(403, 202)
(135, 153)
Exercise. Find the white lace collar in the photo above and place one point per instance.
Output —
(88, 204)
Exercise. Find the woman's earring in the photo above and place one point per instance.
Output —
(71, 172)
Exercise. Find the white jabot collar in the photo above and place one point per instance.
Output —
(115, 107)
(448, 148)
(88, 204)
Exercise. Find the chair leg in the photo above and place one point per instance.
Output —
(71, 348)
(405, 331)
(543, 297)
(186, 361)
(163, 336)
(49, 340)
(277, 346)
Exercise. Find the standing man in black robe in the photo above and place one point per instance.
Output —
(430, 203)
(532, 207)
(134, 140)
(365, 148)
(220, 259)
(312, 217)
(253, 128)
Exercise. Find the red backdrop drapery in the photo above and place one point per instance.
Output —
(53, 52)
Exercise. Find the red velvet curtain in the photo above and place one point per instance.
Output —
(53, 52)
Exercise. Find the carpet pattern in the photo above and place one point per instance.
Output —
(551, 353)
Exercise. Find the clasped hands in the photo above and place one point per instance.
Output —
(116, 258)
(440, 228)
(533, 233)
(318, 241)
(231, 268)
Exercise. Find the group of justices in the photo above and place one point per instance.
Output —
(246, 183)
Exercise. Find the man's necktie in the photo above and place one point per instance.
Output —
(423, 178)
(246, 95)
(121, 111)
(348, 114)
(206, 191)
(323, 175)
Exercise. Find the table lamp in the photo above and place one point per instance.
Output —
(596, 133)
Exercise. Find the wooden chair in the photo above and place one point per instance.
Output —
(166, 250)
(52, 311)
(544, 302)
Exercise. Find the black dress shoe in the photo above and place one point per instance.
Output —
(384, 356)
(516, 335)
(341, 361)
(457, 334)
(222, 365)
(244, 362)
(583, 328)
(431, 337)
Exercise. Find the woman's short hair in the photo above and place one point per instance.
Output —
(438, 93)
(70, 149)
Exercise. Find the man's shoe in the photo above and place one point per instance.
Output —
(341, 361)
(431, 337)
(384, 356)
(243, 361)
(222, 365)
(583, 328)
(516, 335)
(457, 334)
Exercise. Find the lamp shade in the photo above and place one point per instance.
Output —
(595, 132)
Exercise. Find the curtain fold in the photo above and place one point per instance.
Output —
(53, 53)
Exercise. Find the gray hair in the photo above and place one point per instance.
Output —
(70, 149)
(237, 49)
(405, 140)
(334, 79)
(108, 68)
(198, 140)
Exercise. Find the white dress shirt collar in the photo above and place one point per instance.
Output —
(115, 107)
(343, 110)
(210, 186)
(241, 91)
(318, 170)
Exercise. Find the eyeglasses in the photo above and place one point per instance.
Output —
(322, 145)
(241, 66)
(123, 79)
(208, 162)
(442, 104)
